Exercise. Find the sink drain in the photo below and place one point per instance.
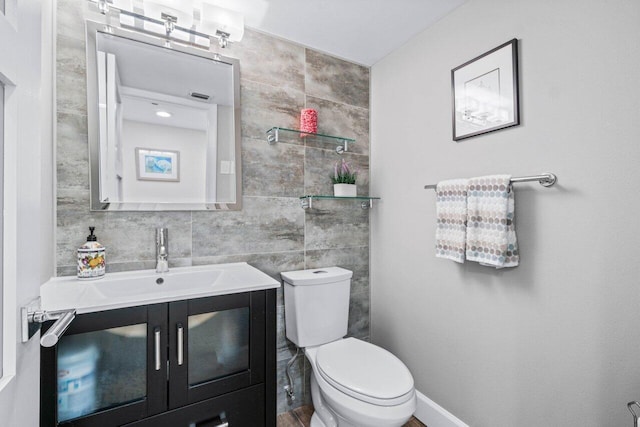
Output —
(159, 280)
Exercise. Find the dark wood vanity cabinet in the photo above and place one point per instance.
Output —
(192, 363)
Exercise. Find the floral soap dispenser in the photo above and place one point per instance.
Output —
(91, 264)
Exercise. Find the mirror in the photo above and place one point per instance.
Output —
(164, 124)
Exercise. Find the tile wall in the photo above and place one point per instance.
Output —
(272, 232)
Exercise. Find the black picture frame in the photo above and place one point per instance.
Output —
(485, 92)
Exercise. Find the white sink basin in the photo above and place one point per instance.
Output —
(126, 289)
(149, 283)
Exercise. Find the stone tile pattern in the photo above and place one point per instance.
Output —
(272, 232)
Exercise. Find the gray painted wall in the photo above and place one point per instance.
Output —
(272, 232)
(553, 342)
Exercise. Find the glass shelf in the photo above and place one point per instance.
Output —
(277, 134)
(366, 201)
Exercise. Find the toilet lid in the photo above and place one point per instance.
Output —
(364, 371)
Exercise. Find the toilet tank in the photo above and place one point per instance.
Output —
(316, 304)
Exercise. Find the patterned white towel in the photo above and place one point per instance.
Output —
(451, 212)
(491, 233)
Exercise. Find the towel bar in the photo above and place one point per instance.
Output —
(546, 180)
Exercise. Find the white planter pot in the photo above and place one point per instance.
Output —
(345, 190)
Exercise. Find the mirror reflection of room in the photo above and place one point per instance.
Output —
(166, 122)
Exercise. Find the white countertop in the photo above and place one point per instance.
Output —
(134, 288)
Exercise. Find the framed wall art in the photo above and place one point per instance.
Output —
(157, 165)
(485, 92)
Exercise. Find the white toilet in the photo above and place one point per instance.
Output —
(353, 383)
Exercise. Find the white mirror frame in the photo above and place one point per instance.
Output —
(92, 28)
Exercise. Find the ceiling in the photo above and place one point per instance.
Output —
(158, 70)
(152, 78)
(361, 31)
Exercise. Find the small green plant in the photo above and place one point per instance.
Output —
(343, 173)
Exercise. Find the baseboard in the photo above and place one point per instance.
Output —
(434, 415)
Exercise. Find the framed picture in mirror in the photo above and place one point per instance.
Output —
(485, 92)
(157, 165)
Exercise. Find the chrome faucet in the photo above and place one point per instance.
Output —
(162, 250)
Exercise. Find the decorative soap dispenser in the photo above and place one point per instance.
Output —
(91, 263)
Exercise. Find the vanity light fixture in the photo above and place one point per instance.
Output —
(171, 12)
(176, 19)
(226, 24)
(163, 114)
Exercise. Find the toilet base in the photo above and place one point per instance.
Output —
(316, 421)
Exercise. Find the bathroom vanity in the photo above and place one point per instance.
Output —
(191, 347)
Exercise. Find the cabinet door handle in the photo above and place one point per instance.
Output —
(223, 421)
(219, 421)
(180, 344)
(156, 334)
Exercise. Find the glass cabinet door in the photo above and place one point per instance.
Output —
(221, 340)
(215, 346)
(101, 369)
(104, 366)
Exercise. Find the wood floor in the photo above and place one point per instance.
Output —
(301, 417)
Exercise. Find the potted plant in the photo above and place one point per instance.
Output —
(344, 180)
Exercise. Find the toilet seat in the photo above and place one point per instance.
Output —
(365, 372)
